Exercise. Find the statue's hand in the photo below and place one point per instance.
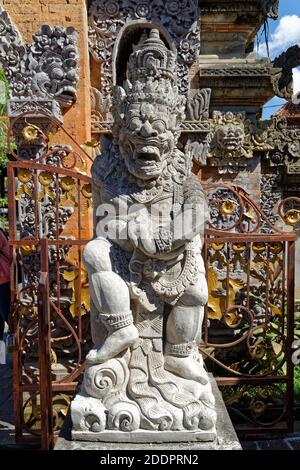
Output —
(140, 232)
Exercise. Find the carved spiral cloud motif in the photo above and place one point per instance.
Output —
(104, 379)
(124, 416)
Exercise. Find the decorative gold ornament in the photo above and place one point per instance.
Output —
(259, 247)
(250, 215)
(257, 407)
(239, 247)
(24, 175)
(233, 319)
(68, 160)
(60, 406)
(91, 143)
(233, 398)
(86, 190)
(27, 249)
(292, 217)
(53, 356)
(45, 178)
(276, 247)
(31, 133)
(258, 351)
(67, 183)
(218, 246)
(24, 310)
(71, 277)
(228, 207)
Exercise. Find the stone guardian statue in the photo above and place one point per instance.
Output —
(146, 273)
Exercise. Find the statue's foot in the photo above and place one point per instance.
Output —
(113, 344)
(187, 368)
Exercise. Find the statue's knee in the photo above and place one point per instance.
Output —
(196, 295)
(96, 256)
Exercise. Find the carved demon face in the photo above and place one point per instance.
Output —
(148, 138)
(230, 137)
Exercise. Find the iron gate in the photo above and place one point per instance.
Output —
(50, 220)
(249, 327)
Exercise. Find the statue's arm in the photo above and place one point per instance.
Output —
(189, 221)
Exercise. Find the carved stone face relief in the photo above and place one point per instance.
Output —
(148, 111)
(147, 140)
(230, 137)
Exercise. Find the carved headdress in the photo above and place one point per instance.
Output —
(148, 111)
(151, 77)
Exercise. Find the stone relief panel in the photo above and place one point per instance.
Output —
(45, 70)
(269, 7)
(231, 143)
(235, 140)
(106, 19)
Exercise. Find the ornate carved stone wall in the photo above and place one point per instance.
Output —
(108, 22)
(28, 17)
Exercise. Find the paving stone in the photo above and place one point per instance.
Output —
(274, 444)
(249, 445)
(294, 443)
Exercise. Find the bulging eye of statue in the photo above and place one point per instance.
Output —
(223, 132)
(159, 125)
(135, 124)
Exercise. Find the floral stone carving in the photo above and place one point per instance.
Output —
(42, 75)
(146, 274)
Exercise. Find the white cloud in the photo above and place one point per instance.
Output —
(296, 74)
(286, 34)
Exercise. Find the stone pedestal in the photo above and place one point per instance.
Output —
(226, 438)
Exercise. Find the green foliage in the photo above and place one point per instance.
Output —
(3, 144)
(3, 94)
(3, 202)
(3, 222)
(297, 382)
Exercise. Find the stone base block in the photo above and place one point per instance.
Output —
(222, 438)
(142, 436)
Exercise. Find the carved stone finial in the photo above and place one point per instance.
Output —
(152, 60)
(270, 8)
(283, 80)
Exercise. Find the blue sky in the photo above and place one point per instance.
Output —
(284, 32)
